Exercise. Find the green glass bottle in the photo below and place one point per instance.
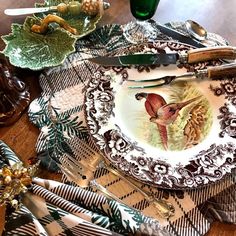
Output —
(143, 9)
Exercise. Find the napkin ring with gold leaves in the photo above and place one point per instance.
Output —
(15, 180)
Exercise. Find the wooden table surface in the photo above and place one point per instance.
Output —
(215, 15)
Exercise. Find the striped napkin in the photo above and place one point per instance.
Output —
(59, 115)
(53, 208)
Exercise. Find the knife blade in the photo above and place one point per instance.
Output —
(191, 56)
(26, 11)
(179, 36)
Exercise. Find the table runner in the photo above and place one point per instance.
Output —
(59, 114)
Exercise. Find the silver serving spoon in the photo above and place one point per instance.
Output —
(199, 33)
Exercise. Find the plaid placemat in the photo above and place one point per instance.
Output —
(59, 114)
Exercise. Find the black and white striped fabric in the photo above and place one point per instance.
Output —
(54, 208)
(59, 114)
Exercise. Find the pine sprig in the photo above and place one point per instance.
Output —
(57, 130)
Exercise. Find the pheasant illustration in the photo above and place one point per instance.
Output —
(168, 113)
(152, 104)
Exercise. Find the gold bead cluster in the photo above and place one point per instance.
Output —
(15, 180)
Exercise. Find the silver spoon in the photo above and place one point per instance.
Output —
(199, 33)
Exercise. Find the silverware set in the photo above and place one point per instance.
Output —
(82, 171)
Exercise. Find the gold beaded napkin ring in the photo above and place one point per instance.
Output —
(14, 181)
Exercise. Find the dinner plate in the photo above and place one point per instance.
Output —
(193, 149)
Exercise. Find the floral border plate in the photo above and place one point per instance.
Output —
(193, 149)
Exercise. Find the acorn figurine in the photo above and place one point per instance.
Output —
(90, 7)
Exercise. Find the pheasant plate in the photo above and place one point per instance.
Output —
(138, 132)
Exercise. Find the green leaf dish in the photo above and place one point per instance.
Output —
(34, 51)
(37, 51)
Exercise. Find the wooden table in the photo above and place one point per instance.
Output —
(217, 16)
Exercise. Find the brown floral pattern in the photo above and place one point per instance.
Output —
(205, 166)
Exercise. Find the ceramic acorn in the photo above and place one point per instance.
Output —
(90, 7)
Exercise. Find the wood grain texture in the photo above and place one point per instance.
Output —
(224, 70)
(216, 16)
(211, 53)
